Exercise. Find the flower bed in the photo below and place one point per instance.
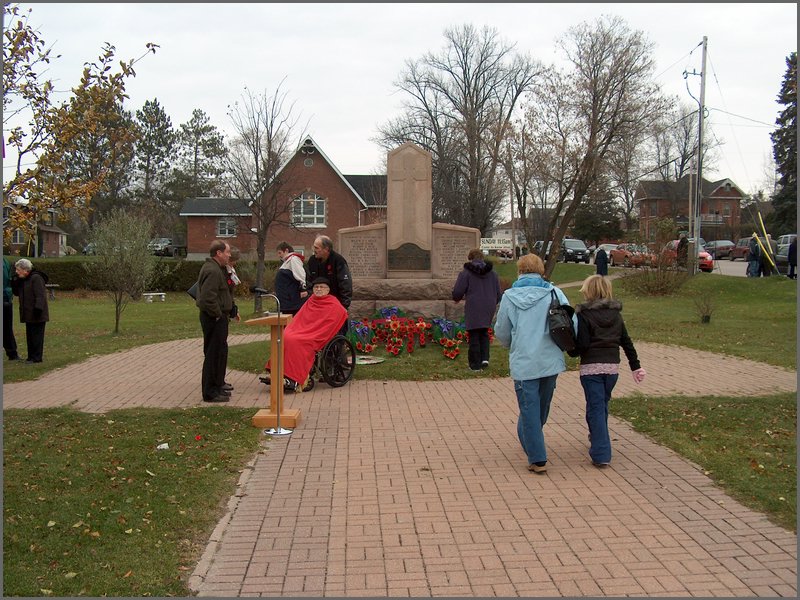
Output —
(390, 329)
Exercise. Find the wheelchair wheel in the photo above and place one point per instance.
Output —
(337, 361)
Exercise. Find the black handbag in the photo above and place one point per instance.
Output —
(559, 323)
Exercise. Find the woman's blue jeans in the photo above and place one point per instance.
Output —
(533, 397)
(597, 389)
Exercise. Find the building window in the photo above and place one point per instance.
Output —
(726, 210)
(226, 227)
(308, 210)
(17, 237)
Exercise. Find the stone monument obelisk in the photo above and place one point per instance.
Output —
(407, 261)
(408, 213)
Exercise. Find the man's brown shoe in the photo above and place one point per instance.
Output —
(537, 468)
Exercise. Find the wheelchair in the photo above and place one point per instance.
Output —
(334, 365)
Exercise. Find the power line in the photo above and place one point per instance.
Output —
(742, 117)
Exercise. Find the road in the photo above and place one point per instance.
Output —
(725, 267)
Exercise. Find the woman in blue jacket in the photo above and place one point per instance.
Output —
(534, 359)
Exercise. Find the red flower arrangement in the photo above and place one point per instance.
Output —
(390, 328)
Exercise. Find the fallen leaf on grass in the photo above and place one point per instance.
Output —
(150, 473)
(70, 575)
(128, 574)
(51, 523)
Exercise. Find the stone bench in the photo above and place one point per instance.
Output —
(52, 287)
(148, 296)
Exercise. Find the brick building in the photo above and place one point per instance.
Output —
(48, 239)
(313, 198)
(720, 206)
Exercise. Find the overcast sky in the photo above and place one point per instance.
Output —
(340, 61)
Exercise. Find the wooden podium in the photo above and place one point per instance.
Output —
(269, 417)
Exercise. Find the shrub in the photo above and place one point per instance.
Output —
(658, 281)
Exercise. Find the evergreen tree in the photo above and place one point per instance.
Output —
(784, 149)
(201, 152)
(155, 151)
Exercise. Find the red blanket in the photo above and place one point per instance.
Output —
(314, 325)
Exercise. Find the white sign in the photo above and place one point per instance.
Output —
(495, 243)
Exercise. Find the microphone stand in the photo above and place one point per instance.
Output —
(278, 364)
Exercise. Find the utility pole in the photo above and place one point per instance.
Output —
(696, 195)
(699, 201)
(511, 195)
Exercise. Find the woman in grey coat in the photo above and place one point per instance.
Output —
(480, 285)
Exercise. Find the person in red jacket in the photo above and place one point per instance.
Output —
(314, 325)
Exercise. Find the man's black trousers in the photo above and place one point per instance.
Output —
(215, 350)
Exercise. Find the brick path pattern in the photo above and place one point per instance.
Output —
(421, 488)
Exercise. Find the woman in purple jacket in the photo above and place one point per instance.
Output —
(479, 284)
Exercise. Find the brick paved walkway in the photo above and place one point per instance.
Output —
(421, 488)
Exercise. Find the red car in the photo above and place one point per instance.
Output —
(631, 255)
(704, 260)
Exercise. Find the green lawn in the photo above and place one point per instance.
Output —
(92, 508)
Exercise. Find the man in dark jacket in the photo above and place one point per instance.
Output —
(683, 251)
(31, 288)
(9, 341)
(601, 261)
(753, 257)
(792, 257)
(331, 265)
(215, 303)
(479, 284)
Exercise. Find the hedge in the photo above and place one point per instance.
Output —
(68, 272)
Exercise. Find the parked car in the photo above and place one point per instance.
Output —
(631, 255)
(537, 249)
(785, 240)
(782, 259)
(741, 248)
(160, 246)
(608, 247)
(573, 251)
(670, 256)
(719, 248)
(89, 249)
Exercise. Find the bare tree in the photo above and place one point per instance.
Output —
(579, 116)
(263, 142)
(626, 165)
(530, 193)
(461, 104)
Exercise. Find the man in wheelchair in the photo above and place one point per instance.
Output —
(315, 324)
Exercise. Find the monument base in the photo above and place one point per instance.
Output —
(290, 418)
(408, 275)
(415, 297)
